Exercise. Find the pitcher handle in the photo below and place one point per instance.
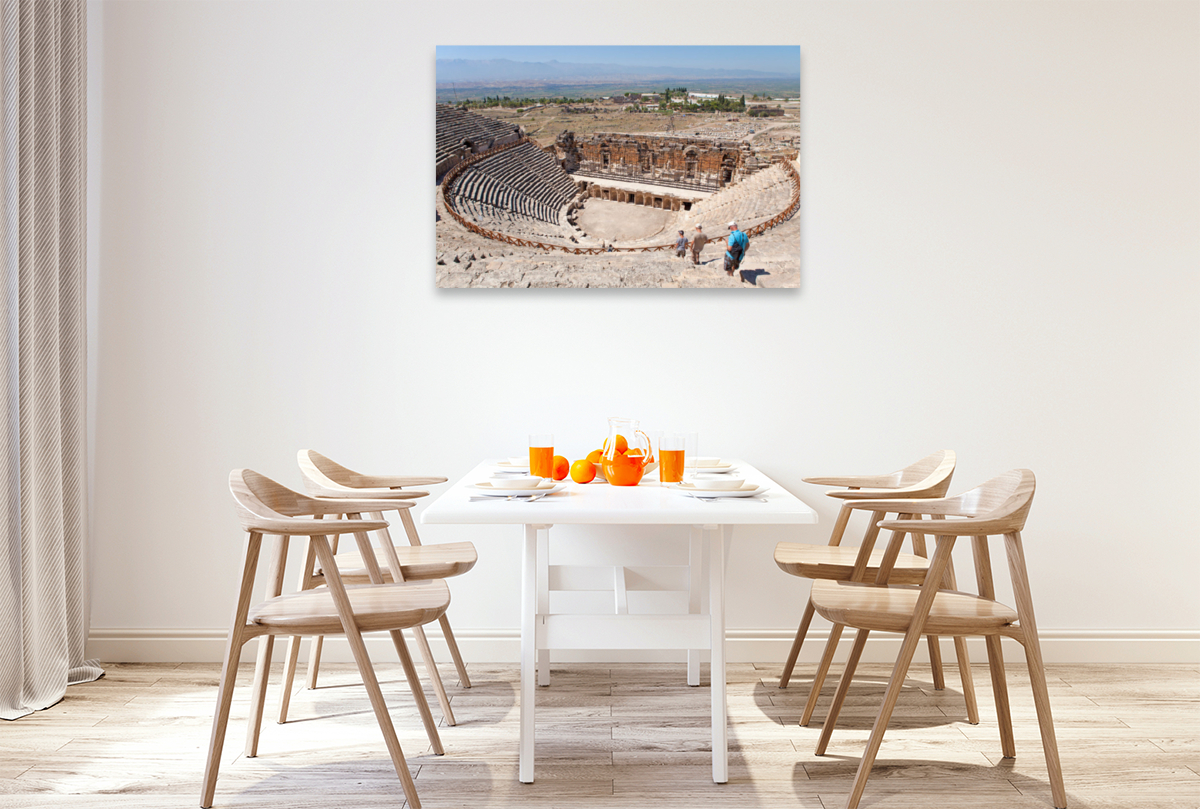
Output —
(649, 446)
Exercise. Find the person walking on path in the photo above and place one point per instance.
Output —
(736, 245)
(681, 244)
(698, 241)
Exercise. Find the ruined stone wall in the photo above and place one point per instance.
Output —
(667, 202)
(682, 162)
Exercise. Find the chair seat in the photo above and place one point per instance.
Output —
(889, 608)
(417, 562)
(376, 607)
(837, 563)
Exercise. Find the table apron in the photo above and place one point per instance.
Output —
(624, 632)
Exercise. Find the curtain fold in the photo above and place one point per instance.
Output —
(43, 494)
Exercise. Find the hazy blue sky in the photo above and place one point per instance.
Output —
(771, 58)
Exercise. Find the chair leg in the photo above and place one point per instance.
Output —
(912, 638)
(367, 671)
(262, 666)
(895, 685)
(1008, 742)
(835, 634)
(935, 648)
(839, 697)
(935, 662)
(434, 676)
(220, 723)
(790, 663)
(414, 684)
(464, 679)
(233, 651)
(968, 682)
(314, 661)
(289, 676)
(1037, 669)
(258, 694)
(964, 659)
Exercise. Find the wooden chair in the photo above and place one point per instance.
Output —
(998, 507)
(406, 563)
(928, 477)
(264, 507)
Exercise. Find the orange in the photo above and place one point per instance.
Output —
(622, 444)
(594, 455)
(560, 467)
(634, 451)
(583, 471)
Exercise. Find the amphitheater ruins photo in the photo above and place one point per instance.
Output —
(559, 196)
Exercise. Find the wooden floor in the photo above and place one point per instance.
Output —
(610, 736)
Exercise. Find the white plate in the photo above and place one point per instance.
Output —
(509, 466)
(708, 465)
(498, 488)
(747, 490)
(709, 470)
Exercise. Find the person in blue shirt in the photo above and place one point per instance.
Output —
(736, 245)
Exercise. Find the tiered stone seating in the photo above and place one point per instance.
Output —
(753, 200)
(520, 191)
(455, 125)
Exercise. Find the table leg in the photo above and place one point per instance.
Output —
(543, 599)
(716, 608)
(695, 565)
(529, 598)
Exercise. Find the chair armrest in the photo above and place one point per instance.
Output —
(855, 481)
(914, 505)
(360, 494)
(308, 528)
(348, 505)
(874, 494)
(949, 528)
(397, 481)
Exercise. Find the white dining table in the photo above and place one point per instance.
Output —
(649, 503)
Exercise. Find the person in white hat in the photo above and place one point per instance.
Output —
(737, 243)
(698, 241)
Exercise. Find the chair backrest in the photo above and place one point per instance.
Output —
(260, 500)
(928, 477)
(324, 477)
(318, 469)
(935, 468)
(1003, 501)
(266, 507)
(999, 506)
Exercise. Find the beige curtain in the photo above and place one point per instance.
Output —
(43, 571)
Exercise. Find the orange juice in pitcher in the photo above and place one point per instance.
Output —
(628, 453)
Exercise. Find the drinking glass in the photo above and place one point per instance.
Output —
(691, 450)
(541, 455)
(671, 455)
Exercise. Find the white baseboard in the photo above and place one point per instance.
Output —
(742, 646)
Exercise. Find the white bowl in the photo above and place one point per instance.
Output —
(722, 483)
(518, 482)
(519, 461)
(700, 463)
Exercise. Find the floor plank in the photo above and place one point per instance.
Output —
(611, 737)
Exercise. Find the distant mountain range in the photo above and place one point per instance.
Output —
(491, 71)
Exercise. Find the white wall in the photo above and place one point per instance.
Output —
(1000, 216)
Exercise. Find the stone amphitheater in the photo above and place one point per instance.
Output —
(603, 211)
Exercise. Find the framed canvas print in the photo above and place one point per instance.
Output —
(618, 166)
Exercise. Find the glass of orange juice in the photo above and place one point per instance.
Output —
(671, 448)
(541, 455)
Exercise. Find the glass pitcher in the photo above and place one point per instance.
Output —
(628, 453)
